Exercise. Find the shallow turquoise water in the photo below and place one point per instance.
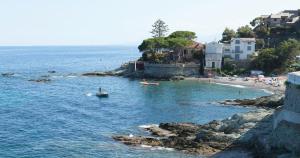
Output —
(63, 118)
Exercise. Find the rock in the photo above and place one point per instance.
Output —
(44, 80)
(52, 72)
(272, 101)
(9, 74)
(107, 73)
(95, 74)
(207, 139)
(136, 141)
(156, 131)
(181, 129)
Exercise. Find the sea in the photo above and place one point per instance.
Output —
(64, 118)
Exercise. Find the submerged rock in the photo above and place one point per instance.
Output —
(52, 72)
(107, 73)
(272, 101)
(43, 80)
(7, 74)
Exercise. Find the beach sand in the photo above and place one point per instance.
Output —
(250, 83)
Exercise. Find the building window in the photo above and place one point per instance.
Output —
(237, 57)
(213, 65)
(249, 48)
(237, 49)
(237, 41)
(185, 52)
(249, 43)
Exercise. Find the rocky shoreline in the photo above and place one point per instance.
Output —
(241, 132)
(208, 139)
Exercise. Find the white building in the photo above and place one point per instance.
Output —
(240, 48)
(213, 55)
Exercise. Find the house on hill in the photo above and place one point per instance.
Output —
(286, 18)
(239, 48)
(191, 53)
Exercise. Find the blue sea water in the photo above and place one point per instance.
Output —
(64, 118)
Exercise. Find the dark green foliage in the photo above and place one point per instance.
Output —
(245, 32)
(262, 31)
(178, 39)
(280, 59)
(265, 60)
(154, 44)
(153, 48)
(177, 43)
(227, 35)
(259, 43)
(188, 35)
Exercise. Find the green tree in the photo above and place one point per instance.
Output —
(153, 44)
(265, 60)
(188, 35)
(259, 44)
(177, 43)
(287, 52)
(245, 32)
(160, 29)
(280, 59)
(227, 35)
(257, 22)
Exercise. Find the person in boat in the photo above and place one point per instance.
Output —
(100, 90)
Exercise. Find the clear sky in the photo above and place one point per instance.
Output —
(123, 22)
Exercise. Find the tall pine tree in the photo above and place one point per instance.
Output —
(160, 29)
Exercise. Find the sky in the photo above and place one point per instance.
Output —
(123, 22)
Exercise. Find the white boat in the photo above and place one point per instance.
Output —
(149, 83)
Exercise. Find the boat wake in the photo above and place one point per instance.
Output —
(89, 94)
(237, 86)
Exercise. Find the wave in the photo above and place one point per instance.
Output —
(267, 91)
(71, 76)
(88, 94)
(157, 148)
(148, 126)
(232, 85)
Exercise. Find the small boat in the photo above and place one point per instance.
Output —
(149, 83)
(102, 93)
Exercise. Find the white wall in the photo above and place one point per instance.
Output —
(213, 54)
(244, 43)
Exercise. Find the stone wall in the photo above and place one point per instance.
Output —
(171, 70)
(286, 125)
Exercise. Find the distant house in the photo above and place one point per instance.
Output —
(188, 54)
(239, 48)
(285, 18)
(213, 55)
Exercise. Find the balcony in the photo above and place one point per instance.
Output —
(237, 52)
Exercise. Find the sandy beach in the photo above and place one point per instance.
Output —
(251, 83)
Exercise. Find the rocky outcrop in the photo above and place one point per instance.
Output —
(206, 139)
(272, 101)
(42, 80)
(9, 74)
(51, 71)
(122, 71)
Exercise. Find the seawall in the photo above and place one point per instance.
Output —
(171, 70)
(286, 124)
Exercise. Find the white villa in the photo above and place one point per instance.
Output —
(213, 55)
(239, 48)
